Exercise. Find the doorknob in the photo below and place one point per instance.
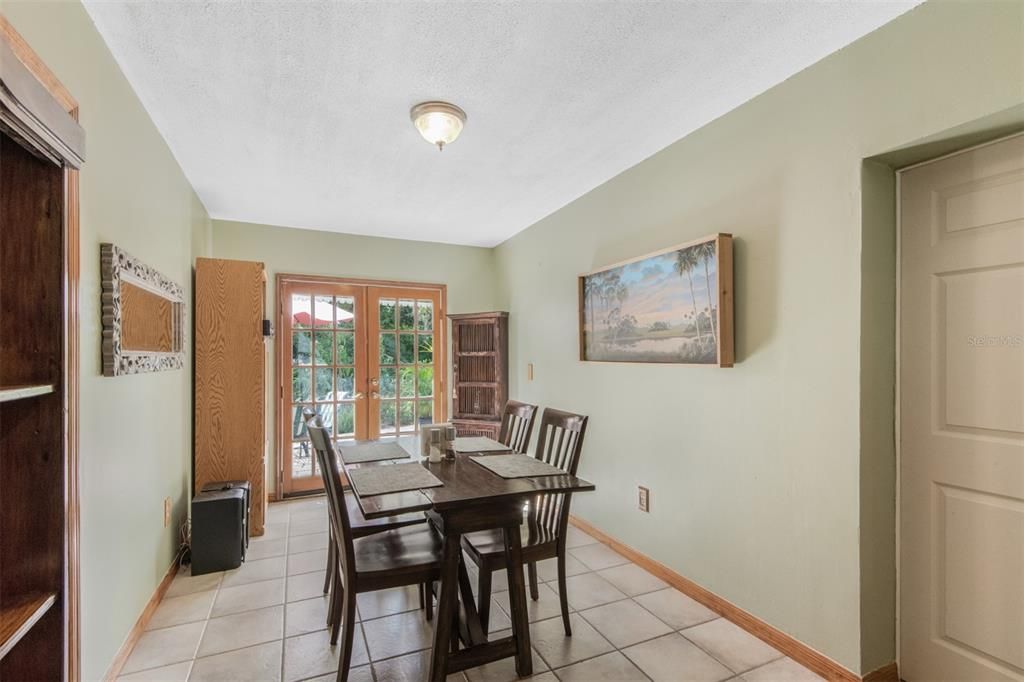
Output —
(374, 395)
(374, 381)
(359, 395)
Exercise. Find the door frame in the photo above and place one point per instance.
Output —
(282, 359)
(898, 392)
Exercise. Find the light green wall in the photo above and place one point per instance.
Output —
(468, 271)
(135, 447)
(757, 473)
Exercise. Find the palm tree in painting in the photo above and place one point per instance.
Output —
(706, 252)
(592, 290)
(686, 261)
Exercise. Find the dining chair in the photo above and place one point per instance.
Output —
(517, 425)
(559, 444)
(409, 555)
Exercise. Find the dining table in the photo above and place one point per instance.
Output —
(470, 498)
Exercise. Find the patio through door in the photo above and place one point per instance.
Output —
(367, 357)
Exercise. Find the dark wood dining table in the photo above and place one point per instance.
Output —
(472, 498)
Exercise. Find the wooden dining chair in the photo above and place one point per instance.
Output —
(517, 425)
(560, 443)
(410, 555)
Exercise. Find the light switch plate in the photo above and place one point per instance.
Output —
(644, 499)
(529, 371)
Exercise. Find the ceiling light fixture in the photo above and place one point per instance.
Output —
(438, 122)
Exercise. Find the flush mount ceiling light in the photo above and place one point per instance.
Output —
(438, 122)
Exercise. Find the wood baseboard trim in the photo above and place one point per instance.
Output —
(140, 625)
(790, 646)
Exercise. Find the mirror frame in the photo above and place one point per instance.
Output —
(117, 267)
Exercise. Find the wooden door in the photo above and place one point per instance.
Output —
(324, 332)
(405, 359)
(962, 416)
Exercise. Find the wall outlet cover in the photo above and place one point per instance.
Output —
(644, 499)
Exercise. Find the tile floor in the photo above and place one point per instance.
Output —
(266, 621)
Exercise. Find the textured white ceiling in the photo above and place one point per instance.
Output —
(297, 113)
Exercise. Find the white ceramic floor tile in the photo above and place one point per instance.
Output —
(546, 606)
(312, 655)
(625, 622)
(305, 586)
(675, 608)
(157, 648)
(307, 543)
(739, 650)
(274, 531)
(187, 608)
(409, 668)
(242, 630)
(248, 597)
(782, 670)
(309, 615)
(557, 650)
(613, 667)
(575, 537)
(588, 590)
(360, 674)
(504, 670)
(596, 557)
(307, 562)
(255, 571)
(547, 570)
(186, 583)
(253, 664)
(307, 527)
(632, 579)
(169, 673)
(673, 657)
(266, 549)
(388, 602)
(400, 634)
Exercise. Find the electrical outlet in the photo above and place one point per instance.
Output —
(644, 499)
(167, 511)
(529, 371)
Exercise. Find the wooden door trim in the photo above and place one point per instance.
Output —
(72, 274)
(282, 362)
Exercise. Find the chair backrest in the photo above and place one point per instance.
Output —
(517, 425)
(327, 460)
(560, 444)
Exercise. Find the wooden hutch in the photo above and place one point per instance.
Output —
(479, 372)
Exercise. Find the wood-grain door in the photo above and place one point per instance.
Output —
(324, 328)
(962, 416)
(406, 359)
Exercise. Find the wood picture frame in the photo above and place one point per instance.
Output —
(673, 306)
(143, 316)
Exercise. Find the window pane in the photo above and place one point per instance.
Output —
(345, 312)
(300, 310)
(426, 412)
(406, 318)
(387, 313)
(387, 416)
(324, 384)
(302, 384)
(326, 413)
(407, 348)
(346, 420)
(324, 346)
(323, 311)
(346, 348)
(426, 350)
(302, 347)
(407, 382)
(346, 383)
(408, 415)
(425, 315)
(425, 381)
(387, 382)
(298, 424)
(302, 459)
(387, 349)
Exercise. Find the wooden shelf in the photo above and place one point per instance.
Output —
(477, 384)
(19, 392)
(17, 618)
(476, 353)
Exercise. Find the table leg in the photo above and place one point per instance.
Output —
(447, 605)
(517, 600)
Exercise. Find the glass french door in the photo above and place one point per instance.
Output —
(369, 360)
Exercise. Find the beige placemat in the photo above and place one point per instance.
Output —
(479, 444)
(357, 453)
(517, 466)
(391, 478)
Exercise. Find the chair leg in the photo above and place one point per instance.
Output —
(331, 561)
(531, 568)
(348, 630)
(484, 598)
(339, 602)
(427, 590)
(563, 595)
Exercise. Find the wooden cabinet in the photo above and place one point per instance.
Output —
(230, 378)
(479, 372)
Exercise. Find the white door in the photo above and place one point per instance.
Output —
(962, 416)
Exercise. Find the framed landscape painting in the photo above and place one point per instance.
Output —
(672, 306)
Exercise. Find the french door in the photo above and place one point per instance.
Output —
(367, 357)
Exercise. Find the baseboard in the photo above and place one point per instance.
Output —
(140, 625)
(792, 647)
